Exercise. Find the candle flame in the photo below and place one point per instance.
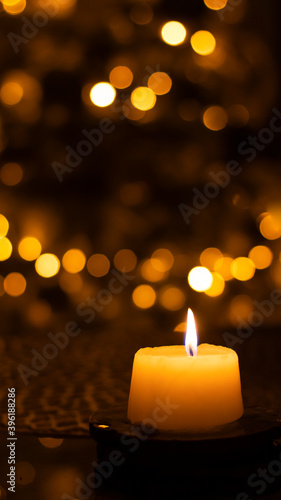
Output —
(191, 335)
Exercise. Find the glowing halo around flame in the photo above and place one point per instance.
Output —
(191, 335)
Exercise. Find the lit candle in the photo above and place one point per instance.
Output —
(200, 386)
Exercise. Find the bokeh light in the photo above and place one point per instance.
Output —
(269, 228)
(209, 257)
(242, 268)
(102, 94)
(144, 296)
(14, 7)
(121, 77)
(261, 256)
(2, 289)
(98, 265)
(25, 473)
(240, 308)
(11, 174)
(173, 33)
(47, 265)
(141, 13)
(160, 83)
(203, 42)
(39, 313)
(11, 93)
(125, 260)
(143, 98)
(6, 249)
(162, 259)
(238, 115)
(215, 118)
(217, 286)
(150, 273)
(223, 267)
(4, 226)
(200, 279)
(70, 283)
(50, 442)
(171, 298)
(215, 4)
(15, 284)
(74, 260)
(29, 248)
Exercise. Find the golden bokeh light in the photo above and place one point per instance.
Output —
(141, 13)
(200, 279)
(223, 267)
(217, 286)
(162, 260)
(143, 98)
(11, 93)
(160, 83)
(240, 307)
(102, 94)
(4, 226)
(261, 256)
(29, 248)
(14, 7)
(173, 33)
(209, 257)
(39, 313)
(215, 4)
(121, 77)
(15, 284)
(242, 268)
(131, 112)
(171, 298)
(11, 174)
(70, 283)
(149, 272)
(215, 118)
(180, 327)
(98, 265)
(74, 260)
(125, 260)
(6, 249)
(50, 442)
(25, 473)
(144, 296)
(238, 115)
(269, 228)
(203, 42)
(47, 265)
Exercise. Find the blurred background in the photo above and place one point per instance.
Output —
(115, 118)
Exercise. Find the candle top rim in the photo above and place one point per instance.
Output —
(178, 351)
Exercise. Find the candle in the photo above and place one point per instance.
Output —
(200, 387)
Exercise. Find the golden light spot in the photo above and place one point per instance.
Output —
(261, 256)
(217, 286)
(200, 279)
(160, 83)
(4, 226)
(39, 313)
(215, 118)
(143, 98)
(242, 268)
(241, 306)
(15, 284)
(269, 228)
(172, 298)
(11, 174)
(70, 283)
(102, 94)
(11, 93)
(180, 327)
(47, 265)
(209, 257)
(215, 4)
(125, 260)
(162, 259)
(141, 13)
(173, 33)
(98, 265)
(14, 7)
(222, 266)
(144, 296)
(275, 272)
(50, 442)
(121, 77)
(6, 249)
(74, 260)
(149, 272)
(238, 115)
(203, 42)
(131, 112)
(25, 473)
(29, 248)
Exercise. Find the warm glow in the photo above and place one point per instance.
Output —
(144, 296)
(29, 248)
(241, 306)
(121, 77)
(14, 7)
(98, 265)
(125, 260)
(11, 174)
(102, 94)
(141, 13)
(149, 272)
(4, 226)
(11, 93)
(200, 279)
(160, 83)
(143, 98)
(203, 42)
(191, 335)
(131, 112)
(269, 228)
(162, 259)
(217, 286)
(70, 283)
(215, 4)
(222, 266)
(74, 260)
(238, 115)
(25, 473)
(215, 118)
(171, 298)
(261, 256)
(6, 249)
(47, 265)
(39, 313)
(14, 284)
(209, 257)
(50, 442)
(242, 268)
(133, 193)
(173, 33)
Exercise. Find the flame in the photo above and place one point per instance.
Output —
(191, 335)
